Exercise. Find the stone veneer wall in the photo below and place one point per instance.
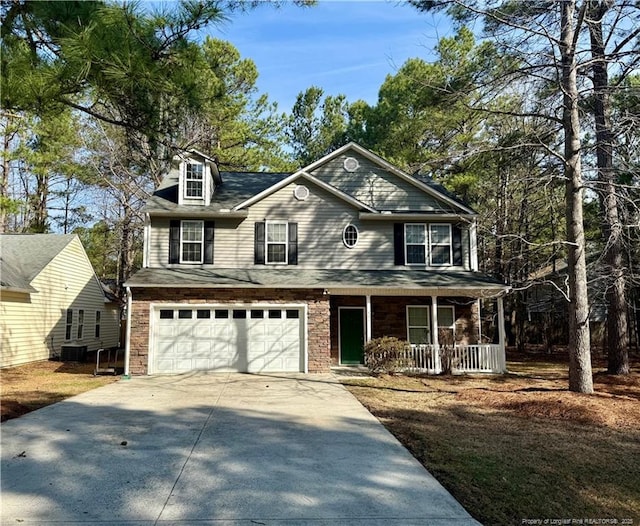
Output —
(318, 338)
(389, 317)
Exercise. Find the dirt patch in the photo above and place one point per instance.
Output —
(29, 387)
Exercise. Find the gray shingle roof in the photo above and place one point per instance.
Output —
(235, 188)
(314, 279)
(24, 256)
(429, 181)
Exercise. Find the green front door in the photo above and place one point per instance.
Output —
(351, 336)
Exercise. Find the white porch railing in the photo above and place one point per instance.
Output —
(481, 358)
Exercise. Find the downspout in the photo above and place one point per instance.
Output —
(146, 242)
(127, 343)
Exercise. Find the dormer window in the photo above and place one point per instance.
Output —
(194, 181)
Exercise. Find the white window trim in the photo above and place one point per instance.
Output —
(267, 243)
(344, 236)
(425, 244)
(68, 326)
(186, 179)
(80, 328)
(428, 326)
(453, 318)
(192, 242)
(431, 245)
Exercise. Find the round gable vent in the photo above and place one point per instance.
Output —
(301, 192)
(351, 164)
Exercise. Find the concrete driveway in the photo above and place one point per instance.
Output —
(219, 449)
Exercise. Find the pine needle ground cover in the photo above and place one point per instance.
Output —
(520, 447)
(29, 387)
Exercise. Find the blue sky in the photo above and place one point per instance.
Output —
(344, 47)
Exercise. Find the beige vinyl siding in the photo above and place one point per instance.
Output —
(377, 187)
(321, 220)
(159, 242)
(33, 325)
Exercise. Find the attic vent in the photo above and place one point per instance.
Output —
(301, 192)
(351, 164)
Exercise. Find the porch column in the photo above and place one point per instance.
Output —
(479, 306)
(367, 336)
(434, 320)
(501, 334)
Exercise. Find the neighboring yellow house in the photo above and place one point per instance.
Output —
(50, 298)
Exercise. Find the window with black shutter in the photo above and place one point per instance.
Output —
(174, 241)
(398, 243)
(191, 241)
(292, 244)
(276, 242)
(208, 242)
(259, 243)
(457, 245)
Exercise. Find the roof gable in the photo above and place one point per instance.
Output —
(374, 186)
(304, 175)
(382, 185)
(29, 254)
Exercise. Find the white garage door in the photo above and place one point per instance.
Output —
(227, 339)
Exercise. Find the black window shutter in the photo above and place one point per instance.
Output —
(398, 244)
(293, 244)
(174, 241)
(259, 244)
(457, 244)
(208, 242)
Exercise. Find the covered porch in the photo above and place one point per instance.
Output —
(463, 359)
(443, 328)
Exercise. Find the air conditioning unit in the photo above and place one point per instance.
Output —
(73, 353)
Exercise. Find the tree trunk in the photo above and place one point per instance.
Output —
(580, 376)
(4, 178)
(612, 232)
(40, 215)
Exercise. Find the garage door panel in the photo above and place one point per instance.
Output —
(234, 339)
(202, 330)
(165, 330)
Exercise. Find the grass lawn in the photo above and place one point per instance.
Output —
(520, 446)
(29, 387)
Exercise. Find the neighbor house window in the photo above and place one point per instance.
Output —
(350, 236)
(80, 323)
(97, 328)
(415, 244)
(276, 243)
(418, 326)
(191, 241)
(440, 244)
(68, 325)
(193, 181)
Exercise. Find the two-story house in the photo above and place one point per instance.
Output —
(294, 272)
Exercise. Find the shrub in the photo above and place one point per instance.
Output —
(387, 355)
